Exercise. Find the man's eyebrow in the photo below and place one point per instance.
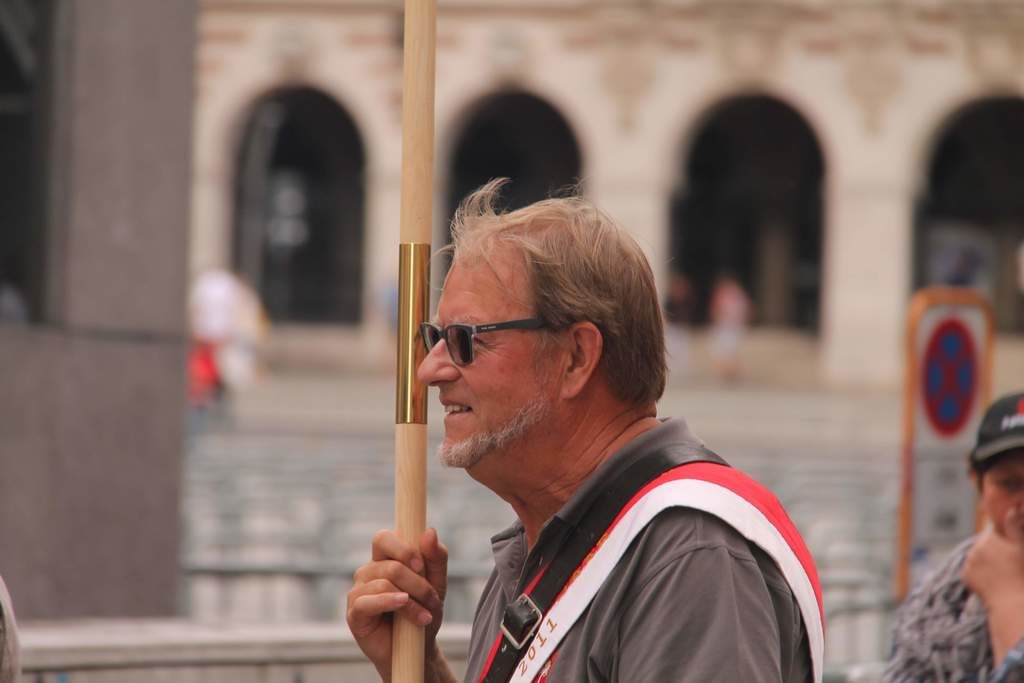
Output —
(458, 320)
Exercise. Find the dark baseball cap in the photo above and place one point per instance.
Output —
(1001, 430)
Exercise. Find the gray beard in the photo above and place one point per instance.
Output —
(468, 452)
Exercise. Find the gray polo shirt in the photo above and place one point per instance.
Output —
(691, 600)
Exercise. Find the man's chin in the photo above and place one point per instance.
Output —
(469, 451)
(461, 454)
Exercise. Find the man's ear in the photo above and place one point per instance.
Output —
(585, 346)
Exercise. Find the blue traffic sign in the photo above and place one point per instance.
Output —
(950, 377)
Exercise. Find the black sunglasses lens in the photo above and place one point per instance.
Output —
(431, 335)
(460, 344)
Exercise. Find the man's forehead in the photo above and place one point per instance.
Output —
(476, 289)
(502, 266)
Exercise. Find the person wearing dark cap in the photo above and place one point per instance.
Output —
(965, 621)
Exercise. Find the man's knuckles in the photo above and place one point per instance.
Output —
(383, 538)
(392, 570)
(396, 572)
(387, 546)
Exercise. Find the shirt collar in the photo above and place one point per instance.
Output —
(670, 431)
(509, 545)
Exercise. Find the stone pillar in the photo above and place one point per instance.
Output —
(641, 206)
(380, 279)
(867, 266)
(212, 189)
(774, 272)
(93, 397)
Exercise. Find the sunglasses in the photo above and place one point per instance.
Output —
(459, 338)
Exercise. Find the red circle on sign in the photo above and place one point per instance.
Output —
(949, 377)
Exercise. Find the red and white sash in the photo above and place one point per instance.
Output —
(721, 491)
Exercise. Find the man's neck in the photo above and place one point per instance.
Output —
(555, 465)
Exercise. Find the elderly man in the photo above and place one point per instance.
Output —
(965, 621)
(637, 554)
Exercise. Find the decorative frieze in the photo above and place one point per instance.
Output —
(872, 60)
(994, 40)
(622, 35)
(628, 57)
(293, 48)
(750, 38)
(509, 55)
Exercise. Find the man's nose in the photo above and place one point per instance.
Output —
(437, 366)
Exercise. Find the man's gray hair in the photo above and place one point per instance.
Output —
(581, 266)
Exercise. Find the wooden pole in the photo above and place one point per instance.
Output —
(413, 301)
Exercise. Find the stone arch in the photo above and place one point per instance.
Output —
(969, 215)
(512, 134)
(750, 203)
(299, 206)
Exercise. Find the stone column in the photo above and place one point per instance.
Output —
(868, 277)
(212, 190)
(93, 398)
(641, 206)
(774, 273)
(380, 278)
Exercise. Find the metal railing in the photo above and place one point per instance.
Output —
(179, 651)
(858, 609)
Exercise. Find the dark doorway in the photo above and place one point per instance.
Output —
(23, 38)
(751, 207)
(516, 136)
(970, 222)
(300, 193)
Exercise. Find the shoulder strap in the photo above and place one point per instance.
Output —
(537, 591)
(720, 491)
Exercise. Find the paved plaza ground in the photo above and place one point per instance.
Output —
(285, 488)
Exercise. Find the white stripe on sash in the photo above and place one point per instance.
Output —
(692, 493)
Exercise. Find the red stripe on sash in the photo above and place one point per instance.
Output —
(754, 493)
(726, 477)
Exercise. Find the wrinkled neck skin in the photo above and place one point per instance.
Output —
(539, 474)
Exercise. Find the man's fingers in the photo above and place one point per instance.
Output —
(364, 611)
(400, 578)
(372, 605)
(392, 576)
(388, 546)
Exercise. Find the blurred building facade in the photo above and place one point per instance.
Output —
(95, 125)
(833, 156)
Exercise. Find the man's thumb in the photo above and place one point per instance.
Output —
(436, 557)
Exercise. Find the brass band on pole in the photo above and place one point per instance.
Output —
(413, 304)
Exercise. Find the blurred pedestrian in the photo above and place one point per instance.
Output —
(228, 325)
(678, 316)
(10, 668)
(730, 313)
(965, 621)
(13, 308)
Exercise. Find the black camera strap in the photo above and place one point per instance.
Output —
(539, 587)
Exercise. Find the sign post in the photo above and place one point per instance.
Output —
(946, 389)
